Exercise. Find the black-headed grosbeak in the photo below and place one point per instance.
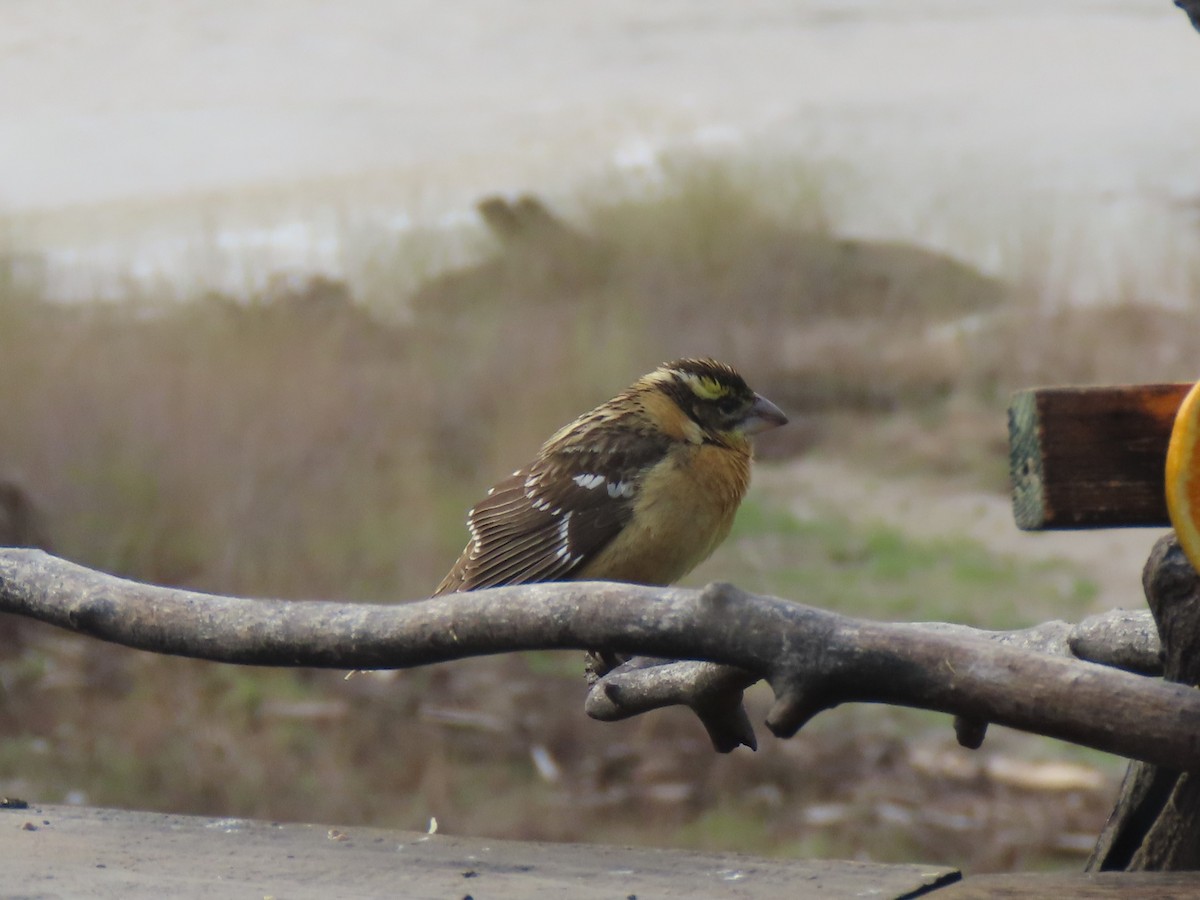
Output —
(641, 489)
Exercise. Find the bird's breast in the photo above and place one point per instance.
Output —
(684, 509)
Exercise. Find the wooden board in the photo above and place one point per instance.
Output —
(71, 851)
(1076, 886)
(64, 851)
(1091, 457)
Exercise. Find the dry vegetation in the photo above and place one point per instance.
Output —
(314, 444)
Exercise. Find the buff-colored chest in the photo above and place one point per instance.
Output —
(684, 509)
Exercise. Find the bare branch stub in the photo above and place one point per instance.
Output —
(1125, 638)
(712, 691)
(812, 659)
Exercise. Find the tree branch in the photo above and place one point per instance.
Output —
(1155, 824)
(812, 659)
(1121, 638)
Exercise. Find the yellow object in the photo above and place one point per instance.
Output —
(1183, 476)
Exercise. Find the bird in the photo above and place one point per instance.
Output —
(641, 489)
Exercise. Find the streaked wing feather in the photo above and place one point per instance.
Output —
(517, 531)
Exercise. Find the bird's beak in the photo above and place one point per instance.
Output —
(764, 415)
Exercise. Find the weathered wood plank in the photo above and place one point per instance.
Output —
(1076, 885)
(70, 851)
(64, 851)
(1091, 457)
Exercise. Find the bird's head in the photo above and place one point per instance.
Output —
(716, 398)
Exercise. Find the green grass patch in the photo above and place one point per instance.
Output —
(878, 572)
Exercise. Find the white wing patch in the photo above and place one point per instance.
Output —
(616, 489)
(564, 539)
(620, 489)
(473, 528)
(590, 482)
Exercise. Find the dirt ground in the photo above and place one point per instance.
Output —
(930, 507)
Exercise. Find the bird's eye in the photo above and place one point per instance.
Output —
(728, 404)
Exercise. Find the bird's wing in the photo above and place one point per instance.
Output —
(544, 522)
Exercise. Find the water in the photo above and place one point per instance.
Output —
(217, 141)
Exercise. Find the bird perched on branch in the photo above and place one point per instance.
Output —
(641, 489)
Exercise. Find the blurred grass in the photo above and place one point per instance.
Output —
(873, 570)
(323, 442)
